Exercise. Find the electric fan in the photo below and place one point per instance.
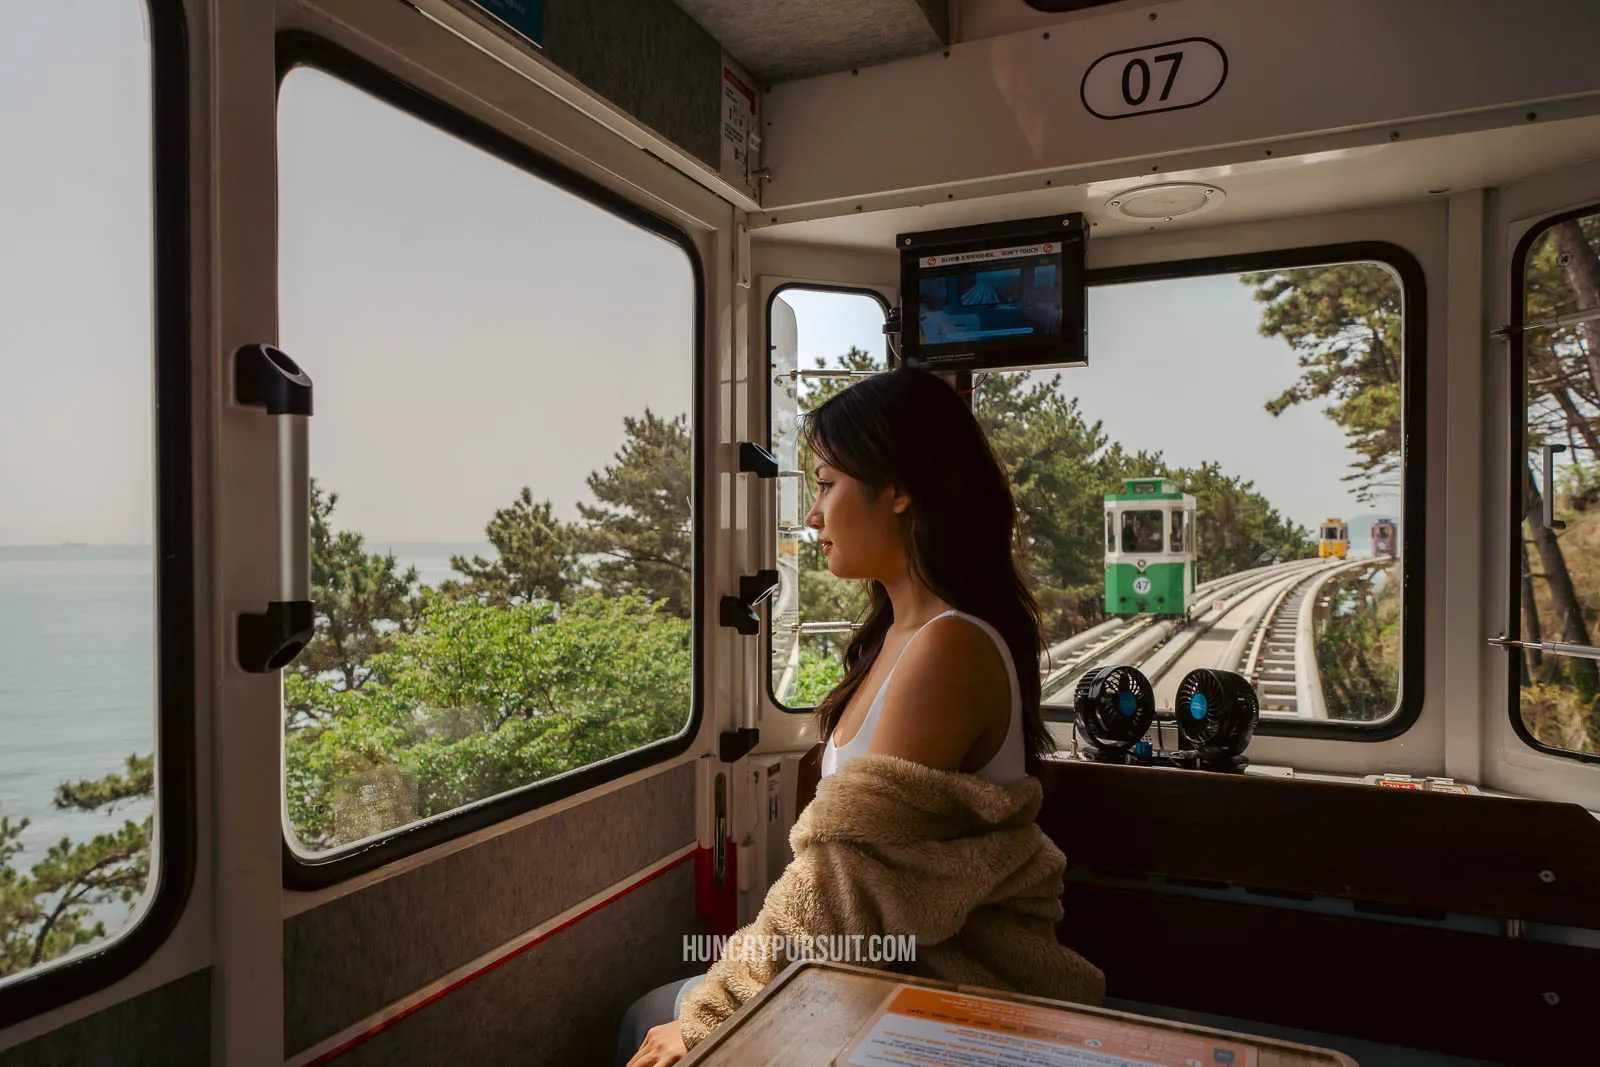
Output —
(1216, 712)
(1115, 707)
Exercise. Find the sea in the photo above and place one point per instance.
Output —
(77, 675)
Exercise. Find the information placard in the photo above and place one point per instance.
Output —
(918, 1027)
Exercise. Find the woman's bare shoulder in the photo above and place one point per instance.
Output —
(949, 687)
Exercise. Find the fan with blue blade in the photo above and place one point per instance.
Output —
(1115, 707)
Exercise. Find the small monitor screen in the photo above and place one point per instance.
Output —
(1001, 296)
(979, 296)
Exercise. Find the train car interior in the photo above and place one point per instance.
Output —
(410, 624)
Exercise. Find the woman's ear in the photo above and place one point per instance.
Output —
(899, 500)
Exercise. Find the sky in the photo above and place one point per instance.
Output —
(470, 328)
(75, 279)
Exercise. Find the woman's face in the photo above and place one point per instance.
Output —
(862, 532)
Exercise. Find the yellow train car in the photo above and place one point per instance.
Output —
(1334, 539)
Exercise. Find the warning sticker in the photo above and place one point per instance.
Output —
(738, 120)
(1047, 248)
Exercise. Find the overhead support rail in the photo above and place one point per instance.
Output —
(1553, 648)
(794, 375)
(841, 627)
(1554, 322)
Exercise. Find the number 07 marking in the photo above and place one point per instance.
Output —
(1158, 77)
(1137, 64)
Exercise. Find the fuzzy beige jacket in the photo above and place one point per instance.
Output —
(893, 847)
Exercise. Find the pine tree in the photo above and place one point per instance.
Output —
(362, 601)
(642, 526)
(49, 911)
(538, 557)
(1344, 323)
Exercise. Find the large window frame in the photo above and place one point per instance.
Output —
(173, 854)
(1413, 391)
(1517, 433)
(888, 362)
(298, 49)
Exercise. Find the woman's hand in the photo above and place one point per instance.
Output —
(663, 1046)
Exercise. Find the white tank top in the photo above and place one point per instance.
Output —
(1008, 763)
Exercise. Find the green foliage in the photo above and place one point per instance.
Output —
(536, 663)
(137, 782)
(1358, 646)
(538, 557)
(1061, 467)
(482, 698)
(818, 674)
(363, 600)
(642, 527)
(1344, 324)
(1236, 528)
(1557, 716)
(636, 540)
(50, 911)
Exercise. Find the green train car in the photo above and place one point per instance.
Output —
(1150, 549)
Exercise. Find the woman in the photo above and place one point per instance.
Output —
(937, 723)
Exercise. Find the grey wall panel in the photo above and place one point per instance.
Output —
(352, 956)
(648, 58)
(170, 1025)
(560, 1002)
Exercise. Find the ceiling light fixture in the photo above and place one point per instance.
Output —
(1166, 201)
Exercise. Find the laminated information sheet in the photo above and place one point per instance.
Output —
(918, 1027)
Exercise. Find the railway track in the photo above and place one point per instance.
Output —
(1282, 653)
(1135, 640)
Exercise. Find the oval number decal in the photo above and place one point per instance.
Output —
(1157, 77)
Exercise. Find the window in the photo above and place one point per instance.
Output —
(1141, 531)
(502, 456)
(1558, 567)
(1274, 395)
(95, 679)
(1272, 392)
(819, 339)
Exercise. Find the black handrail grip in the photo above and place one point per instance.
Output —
(753, 459)
(733, 745)
(265, 377)
(740, 616)
(272, 639)
(754, 588)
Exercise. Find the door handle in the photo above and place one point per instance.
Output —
(265, 377)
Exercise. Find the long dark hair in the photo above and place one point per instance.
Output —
(909, 429)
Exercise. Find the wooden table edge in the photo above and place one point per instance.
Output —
(787, 975)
